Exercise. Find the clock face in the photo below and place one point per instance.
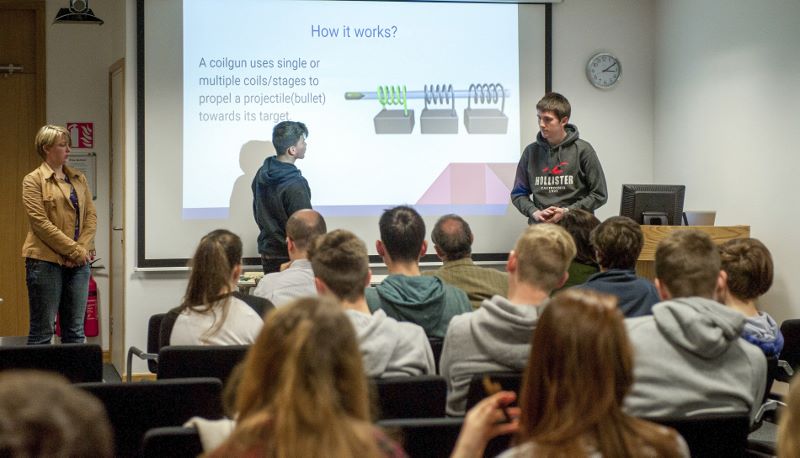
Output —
(603, 70)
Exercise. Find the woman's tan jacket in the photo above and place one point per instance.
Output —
(52, 216)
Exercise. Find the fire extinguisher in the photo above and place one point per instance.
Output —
(91, 325)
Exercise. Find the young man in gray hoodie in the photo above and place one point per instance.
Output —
(405, 294)
(559, 171)
(690, 358)
(389, 348)
(497, 336)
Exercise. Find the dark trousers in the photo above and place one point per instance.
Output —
(272, 264)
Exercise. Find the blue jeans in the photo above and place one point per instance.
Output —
(53, 288)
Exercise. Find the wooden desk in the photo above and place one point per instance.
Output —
(646, 266)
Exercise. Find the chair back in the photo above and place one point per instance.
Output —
(510, 381)
(436, 346)
(434, 437)
(185, 361)
(772, 373)
(791, 343)
(422, 396)
(424, 437)
(712, 435)
(172, 441)
(77, 362)
(135, 408)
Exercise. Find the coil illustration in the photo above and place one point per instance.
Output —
(440, 94)
(487, 93)
(393, 95)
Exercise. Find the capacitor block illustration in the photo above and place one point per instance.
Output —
(484, 118)
(439, 120)
(394, 121)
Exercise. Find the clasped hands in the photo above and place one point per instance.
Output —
(83, 260)
(550, 214)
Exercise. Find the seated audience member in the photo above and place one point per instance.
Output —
(690, 358)
(580, 223)
(580, 368)
(789, 424)
(405, 294)
(497, 336)
(617, 242)
(303, 391)
(748, 264)
(297, 280)
(41, 414)
(389, 348)
(211, 312)
(452, 239)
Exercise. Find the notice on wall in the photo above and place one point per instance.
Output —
(87, 164)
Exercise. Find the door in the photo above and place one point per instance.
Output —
(22, 112)
(116, 107)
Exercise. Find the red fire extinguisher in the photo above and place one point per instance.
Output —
(91, 324)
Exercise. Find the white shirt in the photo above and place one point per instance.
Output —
(241, 327)
(280, 288)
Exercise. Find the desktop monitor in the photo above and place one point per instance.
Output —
(653, 204)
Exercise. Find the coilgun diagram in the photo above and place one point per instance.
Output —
(484, 118)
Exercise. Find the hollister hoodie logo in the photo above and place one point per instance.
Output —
(556, 169)
(557, 180)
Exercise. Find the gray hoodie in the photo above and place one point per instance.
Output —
(565, 175)
(690, 360)
(391, 348)
(496, 337)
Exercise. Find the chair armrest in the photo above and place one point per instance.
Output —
(769, 406)
(141, 355)
(784, 372)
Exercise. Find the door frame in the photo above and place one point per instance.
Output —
(116, 156)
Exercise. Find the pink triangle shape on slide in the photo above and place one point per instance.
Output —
(439, 192)
(505, 172)
(468, 184)
(496, 191)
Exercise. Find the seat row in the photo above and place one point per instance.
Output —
(718, 435)
(155, 345)
(410, 406)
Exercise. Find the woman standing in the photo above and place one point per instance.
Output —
(60, 241)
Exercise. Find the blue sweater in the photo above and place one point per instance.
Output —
(636, 295)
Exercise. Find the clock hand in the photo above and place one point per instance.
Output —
(609, 67)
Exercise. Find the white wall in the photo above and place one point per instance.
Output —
(726, 105)
(617, 122)
(78, 57)
(146, 293)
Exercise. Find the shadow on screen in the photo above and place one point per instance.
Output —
(251, 156)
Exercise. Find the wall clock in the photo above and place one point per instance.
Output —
(603, 70)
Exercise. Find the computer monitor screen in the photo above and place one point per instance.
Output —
(653, 204)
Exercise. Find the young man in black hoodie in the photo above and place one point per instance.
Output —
(279, 190)
(559, 171)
